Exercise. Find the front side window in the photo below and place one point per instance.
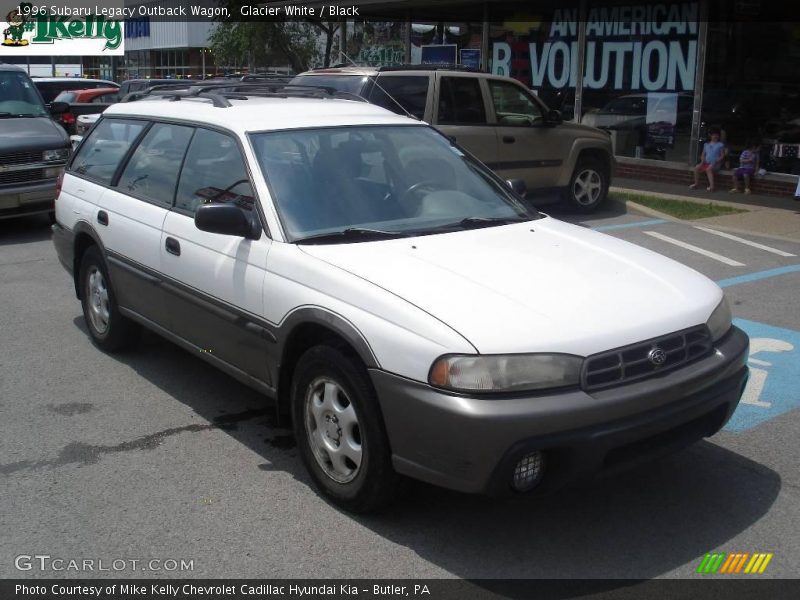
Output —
(401, 93)
(18, 97)
(378, 180)
(152, 171)
(461, 102)
(214, 171)
(512, 105)
(100, 154)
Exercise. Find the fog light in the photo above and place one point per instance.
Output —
(528, 472)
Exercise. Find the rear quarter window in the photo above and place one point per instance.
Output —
(100, 154)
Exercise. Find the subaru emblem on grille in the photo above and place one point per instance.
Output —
(657, 356)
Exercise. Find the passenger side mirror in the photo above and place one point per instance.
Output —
(58, 108)
(554, 117)
(227, 219)
(517, 186)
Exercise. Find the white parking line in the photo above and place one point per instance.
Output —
(744, 241)
(708, 253)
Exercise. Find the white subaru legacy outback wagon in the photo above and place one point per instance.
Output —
(412, 314)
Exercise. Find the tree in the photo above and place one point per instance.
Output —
(258, 43)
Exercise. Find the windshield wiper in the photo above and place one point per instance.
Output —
(474, 223)
(8, 115)
(351, 234)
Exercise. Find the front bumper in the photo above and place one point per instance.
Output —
(28, 199)
(472, 444)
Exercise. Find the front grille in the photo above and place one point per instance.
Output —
(29, 176)
(632, 363)
(21, 158)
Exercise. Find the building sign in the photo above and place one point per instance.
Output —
(644, 48)
(30, 30)
(137, 28)
(439, 54)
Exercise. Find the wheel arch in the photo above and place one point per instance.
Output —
(309, 326)
(85, 237)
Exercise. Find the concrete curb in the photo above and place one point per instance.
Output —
(664, 196)
(650, 212)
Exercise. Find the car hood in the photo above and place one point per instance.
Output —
(31, 133)
(540, 286)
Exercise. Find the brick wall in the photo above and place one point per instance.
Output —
(724, 179)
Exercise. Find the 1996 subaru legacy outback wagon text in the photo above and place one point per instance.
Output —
(391, 293)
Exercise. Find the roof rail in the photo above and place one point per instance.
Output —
(431, 67)
(219, 92)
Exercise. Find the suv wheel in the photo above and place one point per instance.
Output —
(588, 186)
(339, 430)
(108, 328)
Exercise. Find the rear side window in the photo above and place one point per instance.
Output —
(109, 98)
(68, 97)
(214, 171)
(100, 154)
(152, 172)
(410, 92)
(461, 102)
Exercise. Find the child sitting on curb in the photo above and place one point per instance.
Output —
(710, 161)
(748, 167)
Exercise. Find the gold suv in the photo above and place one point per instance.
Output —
(497, 119)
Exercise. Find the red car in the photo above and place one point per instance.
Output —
(102, 97)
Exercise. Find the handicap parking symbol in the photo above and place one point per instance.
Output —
(774, 385)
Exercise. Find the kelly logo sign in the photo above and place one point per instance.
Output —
(652, 48)
(36, 31)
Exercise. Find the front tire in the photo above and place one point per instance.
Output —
(588, 186)
(109, 330)
(339, 430)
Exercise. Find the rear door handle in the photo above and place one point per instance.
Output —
(509, 139)
(102, 217)
(173, 246)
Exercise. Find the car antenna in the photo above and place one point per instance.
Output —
(380, 87)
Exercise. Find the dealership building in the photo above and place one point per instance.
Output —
(657, 75)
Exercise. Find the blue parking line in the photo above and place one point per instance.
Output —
(758, 275)
(630, 225)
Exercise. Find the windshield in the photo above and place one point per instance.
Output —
(341, 83)
(18, 97)
(379, 180)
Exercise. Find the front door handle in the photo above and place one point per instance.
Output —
(173, 246)
(102, 217)
(509, 139)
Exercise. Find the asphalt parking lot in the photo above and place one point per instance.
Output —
(155, 455)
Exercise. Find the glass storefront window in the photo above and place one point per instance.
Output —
(639, 77)
(377, 43)
(751, 90)
(445, 43)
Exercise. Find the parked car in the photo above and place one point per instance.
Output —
(411, 313)
(495, 118)
(50, 87)
(33, 148)
(83, 102)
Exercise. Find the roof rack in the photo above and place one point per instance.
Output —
(221, 92)
(431, 67)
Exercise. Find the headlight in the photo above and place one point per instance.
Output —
(505, 373)
(60, 154)
(719, 323)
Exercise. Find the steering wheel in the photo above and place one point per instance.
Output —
(432, 185)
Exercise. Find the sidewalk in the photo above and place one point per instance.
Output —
(767, 216)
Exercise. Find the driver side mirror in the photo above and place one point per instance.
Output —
(517, 186)
(227, 219)
(554, 117)
(58, 108)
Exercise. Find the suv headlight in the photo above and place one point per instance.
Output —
(505, 373)
(720, 321)
(60, 154)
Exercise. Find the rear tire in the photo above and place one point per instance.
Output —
(339, 430)
(109, 330)
(588, 186)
